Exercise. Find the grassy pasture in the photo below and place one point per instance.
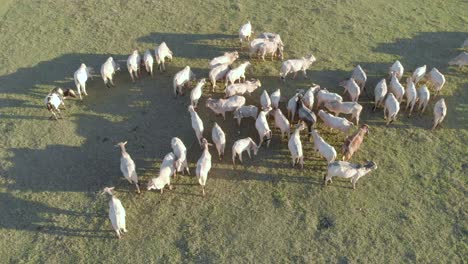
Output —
(412, 209)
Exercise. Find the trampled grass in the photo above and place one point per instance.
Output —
(412, 209)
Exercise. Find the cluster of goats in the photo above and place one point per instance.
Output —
(303, 105)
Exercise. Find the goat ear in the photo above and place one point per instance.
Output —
(125, 143)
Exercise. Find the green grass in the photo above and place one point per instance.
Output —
(412, 209)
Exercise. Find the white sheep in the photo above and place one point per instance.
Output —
(295, 146)
(265, 100)
(227, 58)
(261, 124)
(180, 151)
(218, 73)
(418, 74)
(196, 92)
(161, 53)
(397, 68)
(116, 213)
(281, 122)
(352, 88)
(275, 98)
(411, 95)
(379, 93)
(221, 106)
(148, 61)
(326, 150)
(334, 122)
(324, 96)
(292, 106)
(360, 77)
(440, 111)
(166, 170)
(423, 97)
(237, 73)
(293, 66)
(127, 166)
(197, 124)
(349, 108)
(242, 88)
(391, 109)
(108, 69)
(80, 77)
(344, 169)
(397, 88)
(245, 111)
(437, 80)
(219, 139)
(182, 78)
(309, 96)
(204, 165)
(241, 145)
(460, 60)
(133, 64)
(245, 32)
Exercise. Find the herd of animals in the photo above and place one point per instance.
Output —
(301, 105)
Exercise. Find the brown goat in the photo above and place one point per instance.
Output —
(353, 142)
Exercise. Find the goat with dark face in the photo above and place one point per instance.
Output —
(306, 115)
(55, 99)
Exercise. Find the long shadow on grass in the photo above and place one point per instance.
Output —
(32, 216)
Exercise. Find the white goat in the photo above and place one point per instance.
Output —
(309, 96)
(53, 102)
(460, 60)
(265, 100)
(197, 124)
(116, 213)
(196, 92)
(218, 73)
(221, 106)
(391, 109)
(161, 53)
(418, 74)
(254, 45)
(440, 111)
(293, 66)
(281, 122)
(182, 78)
(360, 77)
(292, 106)
(219, 139)
(133, 64)
(437, 80)
(423, 96)
(348, 170)
(411, 95)
(325, 149)
(227, 58)
(204, 165)
(324, 96)
(245, 111)
(166, 170)
(108, 69)
(149, 61)
(180, 151)
(245, 32)
(352, 88)
(334, 122)
(379, 93)
(261, 124)
(237, 73)
(349, 108)
(270, 48)
(80, 77)
(397, 68)
(295, 145)
(127, 166)
(275, 98)
(241, 145)
(272, 36)
(397, 88)
(241, 88)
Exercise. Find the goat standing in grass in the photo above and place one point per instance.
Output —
(108, 69)
(148, 60)
(133, 64)
(204, 165)
(295, 146)
(440, 111)
(80, 77)
(293, 66)
(344, 169)
(241, 145)
(127, 166)
(161, 53)
(116, 213)
(352, 143)
(379, 93)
